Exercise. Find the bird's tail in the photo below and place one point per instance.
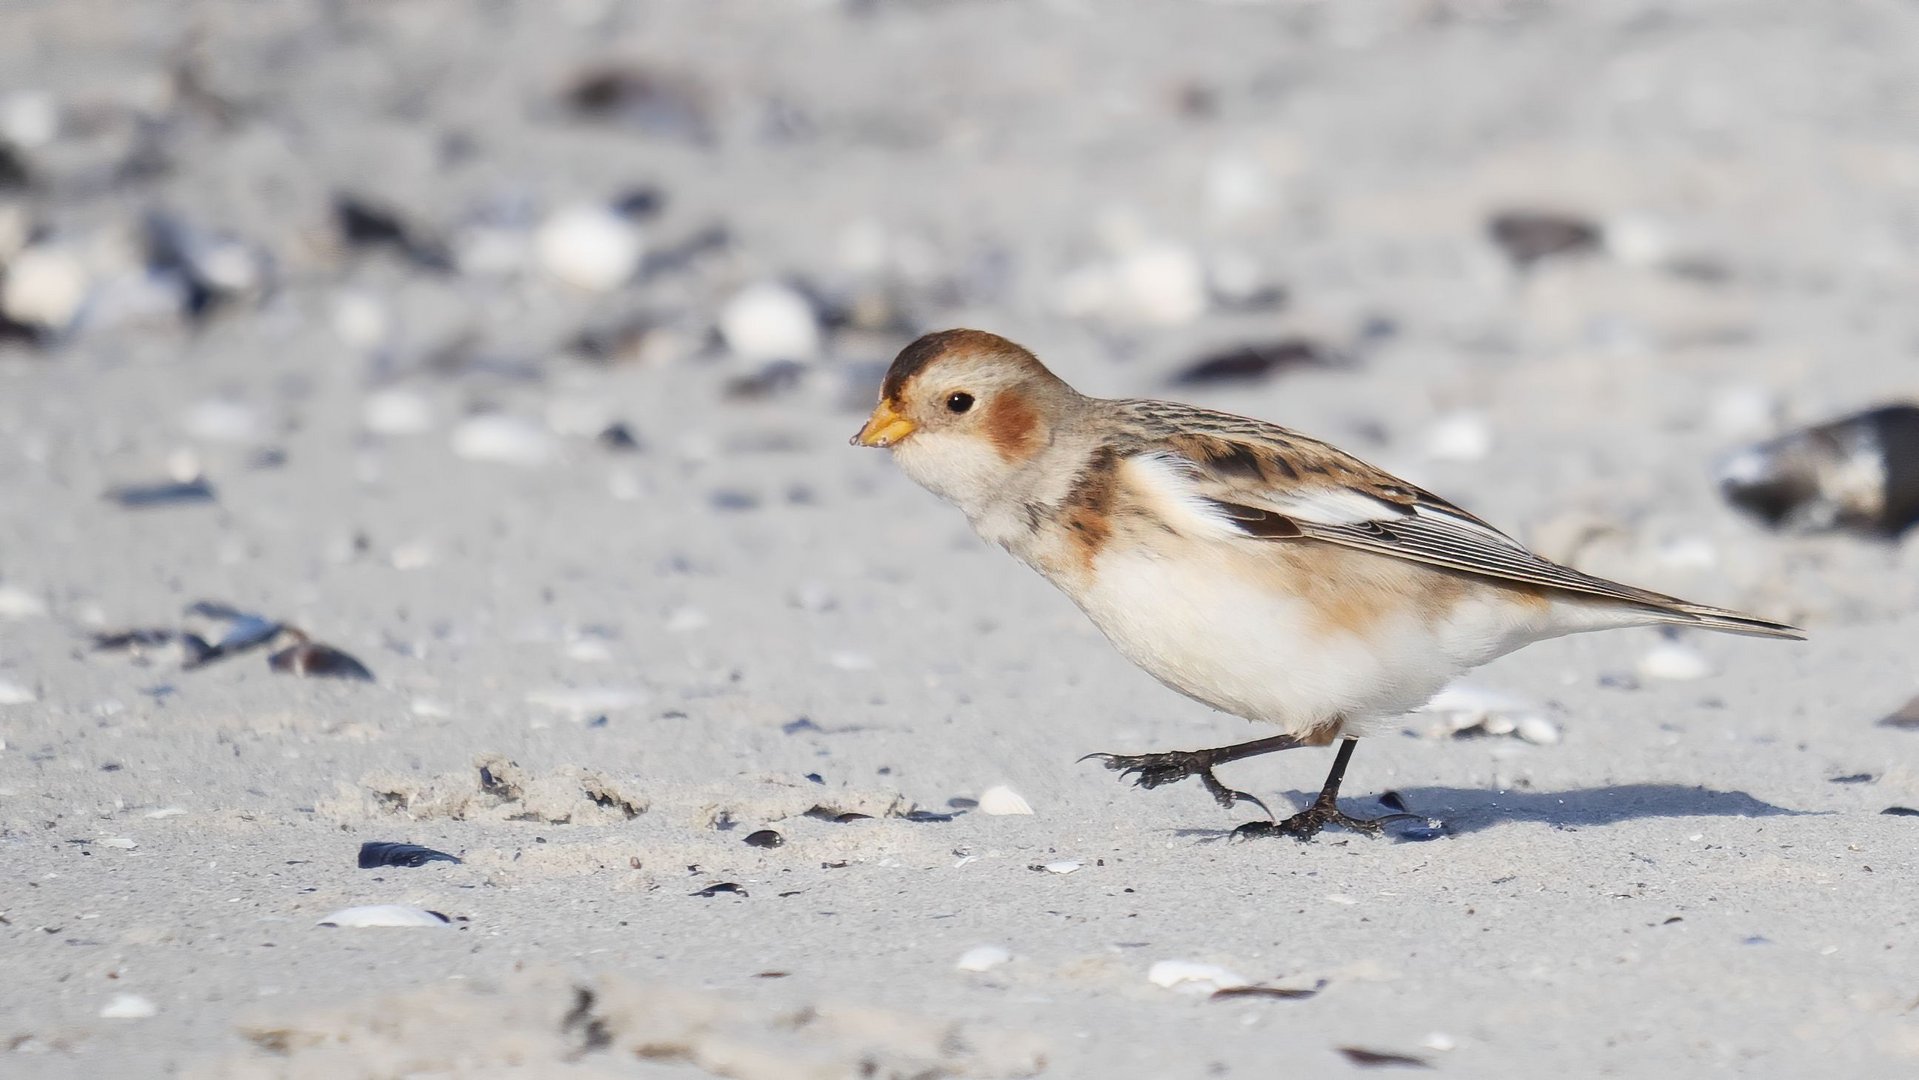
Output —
(1682, 613)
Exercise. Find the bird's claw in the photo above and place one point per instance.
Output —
(1170, 767)
(1308, 822)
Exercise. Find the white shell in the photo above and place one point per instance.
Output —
(1537, 730)
(128, 1007)
(590, 247)
(983, 958)
(384, 915)
(15, 694)
(1192, 977)
(502, 438)
(770, 321)
(1001, 800)
(1675, 661)
(1064, 866)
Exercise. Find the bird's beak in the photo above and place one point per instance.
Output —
(884, 428)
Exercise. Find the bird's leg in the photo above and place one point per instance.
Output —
(1323, 812)
(1171, 766)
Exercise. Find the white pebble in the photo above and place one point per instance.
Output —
(360, 321)
(1002, 801)
(128, 1007)
(396, 411)
(221, 420)
(12, 693)
(1064, 866)
(502, 438)
(1676, 661)
(1162, 284)
(18, 603)
(1439, 1040)
(770, 321)
(29, 118)
(121, 842)
(590, 247)
(384, 915)
(1460, 437)
(1192, 977)
(165, 812)
(983, 958)
(45, 286)
(1537, 730)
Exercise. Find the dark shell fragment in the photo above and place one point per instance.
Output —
(375, 853)
(314, 660)
(1858, 472)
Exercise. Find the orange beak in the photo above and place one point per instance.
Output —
(884, 428)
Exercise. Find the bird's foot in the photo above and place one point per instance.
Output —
(1172, 766)
(1307, 823)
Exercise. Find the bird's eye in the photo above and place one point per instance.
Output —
(959, 403)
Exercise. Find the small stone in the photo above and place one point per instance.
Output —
(983, 958)
(770, 321)
(1675, 661)
(764, 838)
(590, 247)
(504, 439)
(396, 411)
(128, 1007)
(1002, 801)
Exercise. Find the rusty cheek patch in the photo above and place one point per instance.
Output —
(1012, 427)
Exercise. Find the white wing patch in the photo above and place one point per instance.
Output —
(1168, 482)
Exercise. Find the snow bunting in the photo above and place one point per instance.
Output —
(1244, 565)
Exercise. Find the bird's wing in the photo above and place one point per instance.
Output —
(1233, 476)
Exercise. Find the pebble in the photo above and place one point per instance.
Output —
(1527, 236)
(502, 438)
(45, 286)
(18, 603)
(1064, 866)
(770, 321)
(983, 958)
(120, 842)
(1674, 661)
(128, 1007)
(12, 693)
(384, 915)
(1460, 437)
(1159, 284)
(1468, 708)
(222, 420)
(396, 411)
(1002, 801)
(1192, 977)
(590, 247)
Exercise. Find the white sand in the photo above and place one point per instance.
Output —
(1677, 887)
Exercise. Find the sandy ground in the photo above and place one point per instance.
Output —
(658, 650)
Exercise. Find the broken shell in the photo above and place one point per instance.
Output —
(1001, 801)
(1064, 866)
(45, 287)
(314, 660)
(384, 915)
(983, 958)
(376, 853)
(1192, 977)
(1859, 472)
(14, 694)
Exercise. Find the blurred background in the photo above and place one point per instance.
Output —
(509, 349)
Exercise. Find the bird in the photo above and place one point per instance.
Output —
(1247, 566)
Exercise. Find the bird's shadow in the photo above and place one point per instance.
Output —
(1468, 810)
